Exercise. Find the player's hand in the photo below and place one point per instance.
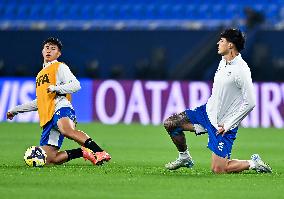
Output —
(10, 115)
(51, 89)
(221, 129)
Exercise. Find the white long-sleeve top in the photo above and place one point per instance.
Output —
(232, 94)
(66, 83)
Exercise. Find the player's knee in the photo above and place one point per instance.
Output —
(218, 169)
(172, 123)
(172, 127)
(169, 124)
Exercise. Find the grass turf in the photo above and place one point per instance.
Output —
(137, 166)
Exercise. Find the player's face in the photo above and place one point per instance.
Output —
(50, 52)
(223, 46)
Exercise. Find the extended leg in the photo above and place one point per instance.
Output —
(91, 150)
(224, 165)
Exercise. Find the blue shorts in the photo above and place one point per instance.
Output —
(220, 145)
(50, 134)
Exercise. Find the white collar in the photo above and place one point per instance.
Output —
(48, 63)
(233, 60)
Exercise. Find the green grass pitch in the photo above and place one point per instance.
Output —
(137, 166)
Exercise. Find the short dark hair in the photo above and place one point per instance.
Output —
(235, 36)
(54, 41)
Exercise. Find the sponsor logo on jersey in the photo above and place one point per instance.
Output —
(42, 79)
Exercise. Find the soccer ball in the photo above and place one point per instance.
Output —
(35, 156)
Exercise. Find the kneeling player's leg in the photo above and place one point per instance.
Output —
(221, 146)
(218, 164)
(224, 165)
(175, 125)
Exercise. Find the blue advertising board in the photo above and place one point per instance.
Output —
(15, 91)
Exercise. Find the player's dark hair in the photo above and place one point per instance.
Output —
(235, 36)
(54, 41)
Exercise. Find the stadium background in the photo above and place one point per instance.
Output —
(139, 61)
(141, 40)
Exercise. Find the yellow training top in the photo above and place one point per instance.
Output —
(45, 100)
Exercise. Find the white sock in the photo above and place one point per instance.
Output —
(251, 164)
(184, 155)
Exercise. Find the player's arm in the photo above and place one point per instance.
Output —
(27, 107)
(244, 82)
(69, 83)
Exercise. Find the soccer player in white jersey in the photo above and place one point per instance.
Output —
(54, 84)
(231, 100)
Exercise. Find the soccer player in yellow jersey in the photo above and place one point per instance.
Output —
(54, 84)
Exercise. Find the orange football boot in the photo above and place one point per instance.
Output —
(89, 155)
(102, 157)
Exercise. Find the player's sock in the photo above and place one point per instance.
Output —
(74, 153)
(90, 144)
(251, 164)
(184, 155)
